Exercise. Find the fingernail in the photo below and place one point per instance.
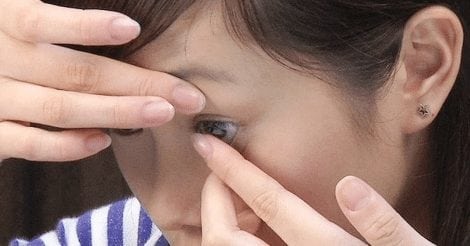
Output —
(189, 99)
(98, 142)
(158, 112)
(124, 28)
(354, 193)
(202, 145)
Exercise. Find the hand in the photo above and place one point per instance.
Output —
(294, 221)
(55, 86)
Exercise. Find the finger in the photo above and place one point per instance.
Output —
(35, 21)
(288, 215)
(219, 219)
(373, 217)
(66, 109)
(19, 141)
(66, 69)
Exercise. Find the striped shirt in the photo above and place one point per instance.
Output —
(121, 223)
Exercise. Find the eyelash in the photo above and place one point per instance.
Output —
(127, 132)
(225, 130)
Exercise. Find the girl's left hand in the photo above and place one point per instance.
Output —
(293, 220)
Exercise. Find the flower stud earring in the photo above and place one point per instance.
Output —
(424, 110)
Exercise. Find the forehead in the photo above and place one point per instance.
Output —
(199, 41)
(192, 32)
(200, 37)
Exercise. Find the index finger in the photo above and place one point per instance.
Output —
(288, 215)
(35, 21)
(218, 218)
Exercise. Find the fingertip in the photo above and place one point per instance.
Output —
(97, 142)
(212, 148)
(188, 99)
(203, 145)
(123, 28)
(353, 193)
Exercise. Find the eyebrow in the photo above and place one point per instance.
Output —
(193, 71)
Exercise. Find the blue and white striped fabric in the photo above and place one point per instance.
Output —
(121, 223)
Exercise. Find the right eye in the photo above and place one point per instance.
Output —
(224, 130)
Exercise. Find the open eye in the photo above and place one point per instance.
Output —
(224, 130)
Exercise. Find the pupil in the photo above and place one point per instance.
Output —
(217, 131)
(213, 128)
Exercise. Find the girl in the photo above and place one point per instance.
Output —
(308, 92)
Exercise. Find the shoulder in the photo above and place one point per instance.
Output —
(121, 223)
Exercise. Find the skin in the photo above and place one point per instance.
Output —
(295, 132)
(322, 147)
(54, 86)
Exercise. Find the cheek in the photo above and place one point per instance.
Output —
(134, 154)
(308, 156)
(165, 173)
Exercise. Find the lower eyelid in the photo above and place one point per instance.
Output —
(239, 143)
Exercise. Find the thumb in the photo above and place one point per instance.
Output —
(373, 217)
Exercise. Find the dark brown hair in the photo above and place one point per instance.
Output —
(357, 40)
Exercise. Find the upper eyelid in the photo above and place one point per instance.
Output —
(215, 117)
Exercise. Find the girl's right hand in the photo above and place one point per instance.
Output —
(51, 85)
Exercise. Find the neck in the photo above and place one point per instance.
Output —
(418, 209)
(418, 205)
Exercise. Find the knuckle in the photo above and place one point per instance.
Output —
(55, 111)
(146, 87)
(385, 230)
(156, 83)
(119, 117)
(28, 20)
(84, 28)
(266, 204)
(116, 116)
(83, 76)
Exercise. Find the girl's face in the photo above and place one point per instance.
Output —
(296, 128)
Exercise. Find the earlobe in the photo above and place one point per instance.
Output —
(430, 57)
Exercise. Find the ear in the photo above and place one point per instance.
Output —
(430, 60)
